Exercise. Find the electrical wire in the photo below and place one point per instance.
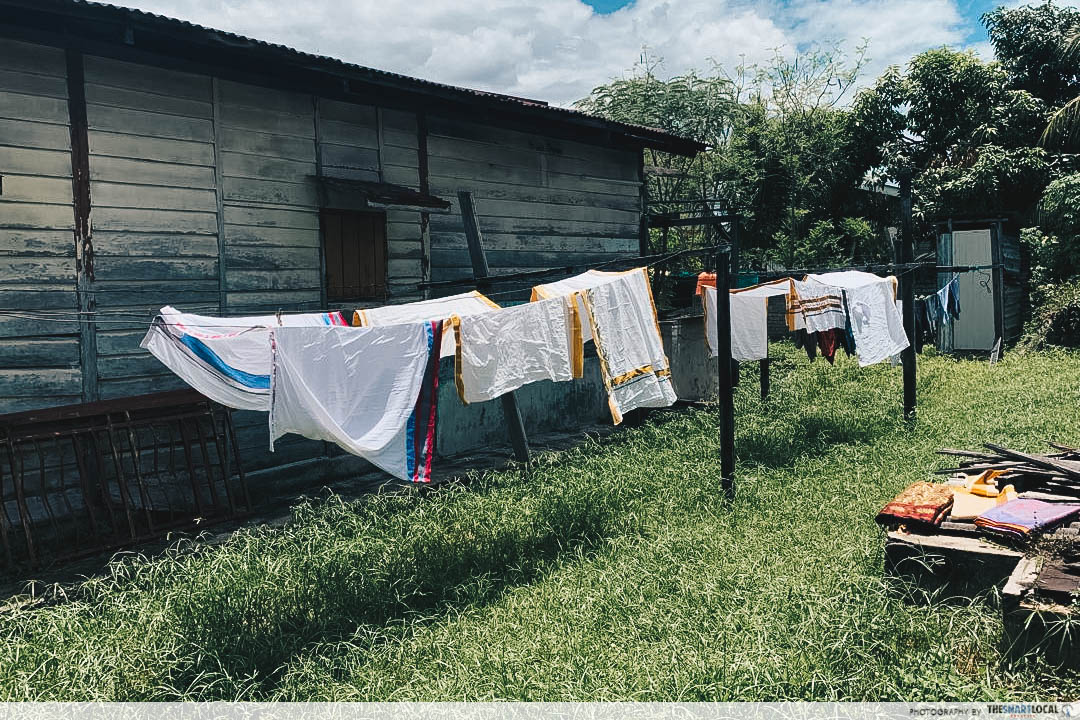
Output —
(128, 318)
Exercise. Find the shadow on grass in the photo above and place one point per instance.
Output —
(806, 436)
(373, 563)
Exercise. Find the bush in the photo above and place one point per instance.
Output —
(1056, 320)
(1054, 246)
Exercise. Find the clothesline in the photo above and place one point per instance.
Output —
(894, 268)
(372, 389)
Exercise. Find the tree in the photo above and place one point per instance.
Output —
(1038, 47)
(1028, 42)
(782, 152)
(969, 138)
(691, 105)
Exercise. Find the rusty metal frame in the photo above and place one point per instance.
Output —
(80, 479)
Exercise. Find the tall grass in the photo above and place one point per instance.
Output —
(613, 571)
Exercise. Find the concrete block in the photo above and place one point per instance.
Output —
(950, 566)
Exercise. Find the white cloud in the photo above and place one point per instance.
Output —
(557, 50)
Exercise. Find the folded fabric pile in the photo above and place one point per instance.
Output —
(921, 503)
(968, 505)
(1023, 518)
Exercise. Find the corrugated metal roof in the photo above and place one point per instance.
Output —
(106, 11)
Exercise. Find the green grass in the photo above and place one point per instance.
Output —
(616, 571)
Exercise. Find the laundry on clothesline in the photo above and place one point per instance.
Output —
(372, 391)
(617, 312)
(464, 305)
(853, 310)
(934, 310)
(227, 359)
(499, 352)
(749, 325)
(576, 287)
(820, 305)
(626, 333)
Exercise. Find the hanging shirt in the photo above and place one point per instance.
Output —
(749, 325)
(626, 332)
(227, 359)
(463, 305)
(372, 391)
(876, 324)
(497, 353)
(953, 304)
(821, 305)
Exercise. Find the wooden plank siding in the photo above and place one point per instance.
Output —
(270, 200)
(39, 360)
(154, 211)
(204, 196)
(541, 202)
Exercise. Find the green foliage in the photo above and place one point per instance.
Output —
(1056, 320)
(1028, 42)
(1060, 209)
(993, 180)
(1054, 247)
(691, 105)
(826, 243)
(615, 571)
(782, 150)
(968, 137)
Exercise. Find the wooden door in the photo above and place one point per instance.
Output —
(974, 329)
(354, 246)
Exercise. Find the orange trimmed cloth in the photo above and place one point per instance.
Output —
(496, 353)
(921, 503)
(625, 329)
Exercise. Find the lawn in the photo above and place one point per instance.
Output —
(616, 571)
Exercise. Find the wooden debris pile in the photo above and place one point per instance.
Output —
(1055, 474)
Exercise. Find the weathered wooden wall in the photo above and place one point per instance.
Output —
(204, 196)
(151, 140)
(39, 360)
(542, 202)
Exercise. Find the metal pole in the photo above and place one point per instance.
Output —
(723, 369)
(511, 411)
(907, 294)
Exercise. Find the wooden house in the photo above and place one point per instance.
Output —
(148, 161)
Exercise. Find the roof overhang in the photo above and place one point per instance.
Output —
(137, 36)
(347, 193)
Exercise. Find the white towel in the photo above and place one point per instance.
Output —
(463, 304)
(358, 388)
(876, 323)
(626, 333)
(821, 305)
(227, 359)
(749, 325)
(500, 352)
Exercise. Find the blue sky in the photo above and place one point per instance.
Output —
(971, 11)
(558, 50)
